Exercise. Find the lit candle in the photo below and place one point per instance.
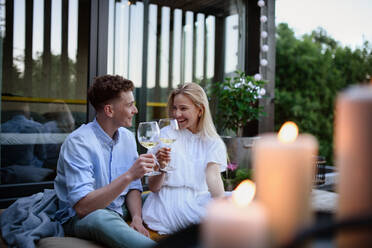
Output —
(284, 167)
(353, 157)
(236, 222)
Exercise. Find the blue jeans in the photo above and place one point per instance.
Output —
(108, 228)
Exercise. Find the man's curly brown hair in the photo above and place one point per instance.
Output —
(107, 87)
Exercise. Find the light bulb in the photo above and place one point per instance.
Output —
(257, 77)
(264, 62)
(263, 19)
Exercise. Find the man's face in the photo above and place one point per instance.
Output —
(124, 109)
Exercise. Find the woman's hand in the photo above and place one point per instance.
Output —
(163, 156)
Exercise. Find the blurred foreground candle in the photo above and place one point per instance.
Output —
(236, 222)
(353, 157)
(284, 167)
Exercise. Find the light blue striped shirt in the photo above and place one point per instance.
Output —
(90, 159)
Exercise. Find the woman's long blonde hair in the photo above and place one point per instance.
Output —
(197, 95)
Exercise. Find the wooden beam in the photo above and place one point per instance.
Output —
(141, 96)
(266, 123)
(252, 52)
(219, 57)
(98, 44)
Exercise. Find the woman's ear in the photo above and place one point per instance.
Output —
(108, 110)
(201, 111)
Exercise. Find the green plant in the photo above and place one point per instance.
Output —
(238, 101)
(232, 177)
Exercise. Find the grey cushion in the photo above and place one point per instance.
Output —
(63, 242)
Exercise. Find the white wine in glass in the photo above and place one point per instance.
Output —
(148, 136)
(167, 137)
(167, 141)
(148, 144)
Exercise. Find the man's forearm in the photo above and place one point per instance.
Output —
(101, 198)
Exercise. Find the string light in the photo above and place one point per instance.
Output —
(257, 77)
(265, 48)
(261, 3)
(263, 62)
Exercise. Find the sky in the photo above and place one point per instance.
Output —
(346, 21)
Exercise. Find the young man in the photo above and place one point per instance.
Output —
(99, 169)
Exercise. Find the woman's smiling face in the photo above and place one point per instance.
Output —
(186, 113)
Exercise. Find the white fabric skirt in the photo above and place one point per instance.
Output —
(174, 208)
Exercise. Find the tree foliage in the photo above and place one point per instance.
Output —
(310, 71)
(55, 87)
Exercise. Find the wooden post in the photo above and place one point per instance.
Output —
(252, 52)
(266, 123)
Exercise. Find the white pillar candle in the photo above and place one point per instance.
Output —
(284, 167)
(235, 222)
(353, 158)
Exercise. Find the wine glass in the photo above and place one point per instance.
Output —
(148, 136)
(168, 137)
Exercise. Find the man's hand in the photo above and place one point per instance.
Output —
(163, 156)
(138, 226)
(145, 163)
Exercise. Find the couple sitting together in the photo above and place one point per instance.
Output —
(99, 169)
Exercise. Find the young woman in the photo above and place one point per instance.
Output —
(198, 155)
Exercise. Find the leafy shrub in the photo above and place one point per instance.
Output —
(310, 72)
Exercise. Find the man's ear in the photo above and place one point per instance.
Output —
(108, 110)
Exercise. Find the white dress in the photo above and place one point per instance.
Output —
(182, 198)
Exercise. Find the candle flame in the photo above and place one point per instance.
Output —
(244, 193)
(288, 132)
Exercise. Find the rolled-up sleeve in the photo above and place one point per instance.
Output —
(78, 170)
(125, 157)
(136, 184)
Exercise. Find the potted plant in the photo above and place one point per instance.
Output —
(238, 101)
(233, 176)
(237, 104)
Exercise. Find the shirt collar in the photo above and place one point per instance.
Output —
(103, 136)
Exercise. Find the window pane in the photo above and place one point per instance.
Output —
(177, 45)
(180, 49)
(44, 71)
(199, 49)
(188, 32)
(210, 25)
(232, 39)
